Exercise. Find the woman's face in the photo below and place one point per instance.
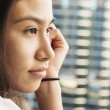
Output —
(28, 44)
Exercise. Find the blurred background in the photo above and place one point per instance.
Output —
(85, 74)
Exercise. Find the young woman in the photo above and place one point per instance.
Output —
(32, 51)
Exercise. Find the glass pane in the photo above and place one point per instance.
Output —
(85, 75)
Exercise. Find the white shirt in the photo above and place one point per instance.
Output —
(7, 104)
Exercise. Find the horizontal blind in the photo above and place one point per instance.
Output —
(85, 74)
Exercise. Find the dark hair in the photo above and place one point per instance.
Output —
(4, 9)
(5, 89)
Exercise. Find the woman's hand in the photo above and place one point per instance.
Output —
(49, 93)
(60, 48)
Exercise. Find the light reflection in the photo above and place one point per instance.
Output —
(82, 81)
(107, 14)
(85, 33)
(83, 42)
(82, 62)
(92, 4)
(103, 102)
(84, 3)
(106, 24)
(85, 13)
(65, 3)
(83, 52)
(79, 108)
(105, 83)
(105, 73)
(106, 44)
(106, 34)
(81, 91)
(104, 92)
(105, 63)
(80, 100)
(105, 53)
(86, 23)
(107, 4)
(69, 83)
(81, 71)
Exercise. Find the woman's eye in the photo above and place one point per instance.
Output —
(48, 30)
(31, 31)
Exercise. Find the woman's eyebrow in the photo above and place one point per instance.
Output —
(32, 18)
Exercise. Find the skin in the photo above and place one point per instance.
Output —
(31, 44)
(26, 49)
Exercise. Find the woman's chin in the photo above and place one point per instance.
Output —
(28, 88)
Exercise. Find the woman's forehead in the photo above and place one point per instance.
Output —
(24, 9)
(38, 6)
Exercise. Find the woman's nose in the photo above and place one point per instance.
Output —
(45, 51)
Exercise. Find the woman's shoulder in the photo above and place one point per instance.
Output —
(7, 104)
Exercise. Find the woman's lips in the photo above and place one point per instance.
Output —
(39, 73)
